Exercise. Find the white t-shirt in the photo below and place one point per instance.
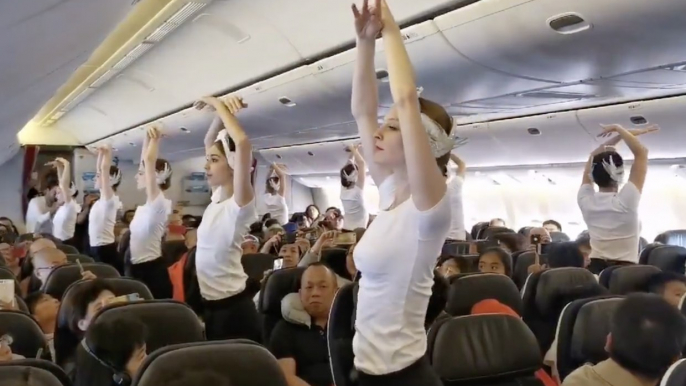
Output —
(218, 252)
(147, 229)
(101, 221)
(396, 257)
(276, 206)
(356, 215)
(457, 229)
(612, 221)
(64, 221)
(37, 214)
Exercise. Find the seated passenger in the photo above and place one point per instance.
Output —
(671, 286)
(250, 245)
(541, 233)
(6, 354)
(647, 335)
(12, 262)
(46, 260)
(44, 308)
(497, 222)
(495, 260)
(452, 265)
(552, 226)
(114, 351)
(302, 349)
(611, 214)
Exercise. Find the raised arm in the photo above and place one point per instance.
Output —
(281, 173)
(427, 184)
(64, 176)
(361, 165)
(612, 142)
(215, 127)
(242, 163)
(152, 189)
(639, 168)
(461, 166)
(105, 156)
(365, 93)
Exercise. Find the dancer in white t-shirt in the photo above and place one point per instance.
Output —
(275, 195)
(611, 214)
(352, 191)
(397, 255)
(64, 219)
(229, 310)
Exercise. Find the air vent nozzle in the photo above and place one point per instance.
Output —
(638, 120)
(382, 75)
(533, 131)
(568, 23)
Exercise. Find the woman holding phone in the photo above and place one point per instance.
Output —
(229, 311)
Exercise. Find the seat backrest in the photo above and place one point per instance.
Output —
(673, 237)
(244, 363)
(491, 231)
(80, 258)
(520, 270)
(169, 322)
(32, 366)
(645, 252)
(27, 337)
(62, 277)
(669, 258)
(500, 348)
(68, 249)
(632, 278)
(456, 248)
(16, 374)
(275, 287)
(546, 293)
(335, 259)
(606, 274)
(255, 264)
(676, 375)
(476, 229)
(467, 290)
(340, 333)
(582, 332)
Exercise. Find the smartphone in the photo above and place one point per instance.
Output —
(345, 238)
(124, 299)
(288, 238)
(535, 239)
(278, 264)
(7, 291)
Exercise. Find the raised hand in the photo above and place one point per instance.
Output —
(613, 128)
(233, 103)
(368, 21)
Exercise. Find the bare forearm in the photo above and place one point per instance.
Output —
(365, 93)
(215, 127)
(401, 74)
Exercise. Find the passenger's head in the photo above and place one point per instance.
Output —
(348, 175)
(312, 211)
(119, 344)
(163, 173)
(290, 253)
(6, 253)
(584, 245)
(6, 221)
(88, 299)
(217, 168)
(46, 260)
(510, 242)
(318, 286)
(128, 216)
(497, 222)
(333, 219)
(300, 220)
(542, 233)
(647, 335)
(41, 244)
(602, 163)
(552, 226)
(495, 260)
(566, 254)
(50, 184)
(115, 178)
(43, 308)
(389, 151)
(671, 286)
(452, 265)
(250, 245)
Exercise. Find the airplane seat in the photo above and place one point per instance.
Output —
(340, 333)
(559, 237)
(500, 351)
(67, 249)
(21, 304)
(646, 251)
(24, 333)
(275, 287)
(675, 375)
(467, 290)
(455, 248)
(642, 243)
(62, 277)
(682, 306)
(80, 258)
(256, 264)
(243, 362)
(623, 280)
(582, 333)
(120, 285)
(476, 229)
(489, 232)
(335, 259)
(673, 237)
(524, 231)
(27, 368)
(520, 271)
(191, 287)
(172, 251)
(515, 256)
(669, 258)
(547, 292)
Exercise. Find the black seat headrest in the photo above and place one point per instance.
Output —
(558, 237)
(276, 286)
(244, 363)
(467, 290)
(172, 251)
(479, 348)
(27, 337)
(31, 365)
(676, 375)
(669, 258)
(67, 249)
(646, 251)
(673, 237)
(582, 332)
(557, 285)
(80, 258)
(256, 264)
(335, 259)
(521, 267)
(169, 322)
(605, 274)
(632, 278)
(491, 231)
(340, 333)
(476, 229)
(16, 374)
(62, 277)
(456, 248)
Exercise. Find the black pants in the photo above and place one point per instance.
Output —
(232, 318)
(108, 254)
(155, 275)
(419, 373)
(598, 265)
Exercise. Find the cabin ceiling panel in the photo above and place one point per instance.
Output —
(319, 158)
(518, 39)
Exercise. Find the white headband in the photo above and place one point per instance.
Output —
(441, 143)
(615, 172)
(162, 175)
(115, 178)
(223, 138)
(352, 177)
